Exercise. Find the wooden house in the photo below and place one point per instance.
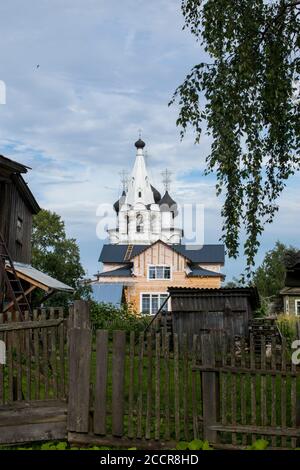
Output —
(291, 291)
(18, 279)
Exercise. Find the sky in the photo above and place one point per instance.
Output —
(82, 77)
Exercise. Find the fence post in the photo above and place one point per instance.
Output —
(210, 381)
(118, 376)
(80, 345)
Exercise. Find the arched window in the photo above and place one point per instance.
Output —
(139, 223)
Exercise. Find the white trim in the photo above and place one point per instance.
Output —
(296, 307)
(160, 266)
(153, 293)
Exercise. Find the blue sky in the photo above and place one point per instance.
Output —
(105, 70)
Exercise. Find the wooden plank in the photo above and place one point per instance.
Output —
(2, 386)
(293, 404)
(131, 384)
(260, 430)
(233, 390)
(263, 382)
(63, 356)
(10, 361)
(224, 383)
(36, 358)
(167, 385)
(253, 384)
(210, 390)
(15, 326)
(50, 431)
(157, 386)
(111, 441)
(118, 374)
(273, 389)
(28, 336)
(80, 345)
(243, 389)
(194, 388)
(140, 387)
(185, 378)
(101, 382)
(53, 355)
(283, 389)
(45, 365)
(149, 386)
(176, 387)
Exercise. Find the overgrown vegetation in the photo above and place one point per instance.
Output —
(287, 325)
(109, 317)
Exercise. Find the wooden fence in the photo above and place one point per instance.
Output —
(153, 391)
(33, 380)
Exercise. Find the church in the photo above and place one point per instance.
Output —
(145, 254)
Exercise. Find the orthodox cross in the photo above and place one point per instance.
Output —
(124, 180)
(166, 179)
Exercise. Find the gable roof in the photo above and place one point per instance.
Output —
(193, 253)
(12, 171)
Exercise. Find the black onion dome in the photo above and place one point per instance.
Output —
(140, 144)
(167, 203)
(156, 194)
(119, 202)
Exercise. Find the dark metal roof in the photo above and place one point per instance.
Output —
(167, 201)
(204, 254)
(199, 272)
(224, 292)
(124, 271)
(156, 194)
(140, 144)
(13, 166)
(119, 202)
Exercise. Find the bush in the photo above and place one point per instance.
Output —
(287, 325)
(109, 317)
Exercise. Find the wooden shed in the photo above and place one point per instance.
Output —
(224, 310)
(17, 206)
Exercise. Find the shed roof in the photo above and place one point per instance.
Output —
(197, 271)
(124, 271)
(40, 279)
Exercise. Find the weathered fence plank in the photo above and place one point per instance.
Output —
(101, 382)
(118, 375)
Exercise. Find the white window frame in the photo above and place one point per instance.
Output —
(297, 301)
(152, 293)
(159, 266)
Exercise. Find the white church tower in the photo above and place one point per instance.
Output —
(143, 216)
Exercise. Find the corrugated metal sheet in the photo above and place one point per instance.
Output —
(108, 293)
(42, 278)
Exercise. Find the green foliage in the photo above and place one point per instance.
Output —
(260, 444)
(196, 444)
(109, 317)
(244, 93)
(269, 277)
(57, 255)
(287, 325)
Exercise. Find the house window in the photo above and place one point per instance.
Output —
(139, 223)
(297, 307)
(159, 272)
(150, 303)
(19, 234)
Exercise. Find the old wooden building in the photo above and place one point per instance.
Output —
(17, 206)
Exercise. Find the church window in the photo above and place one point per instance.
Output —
(140, 193)
(139, 223)
(159, 272)
(151, 303)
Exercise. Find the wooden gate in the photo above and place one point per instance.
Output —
(33, 379)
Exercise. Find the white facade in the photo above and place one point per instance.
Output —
(140, 219)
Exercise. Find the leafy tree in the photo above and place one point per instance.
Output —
(269, 277)
(57, 255)
(245, 94)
